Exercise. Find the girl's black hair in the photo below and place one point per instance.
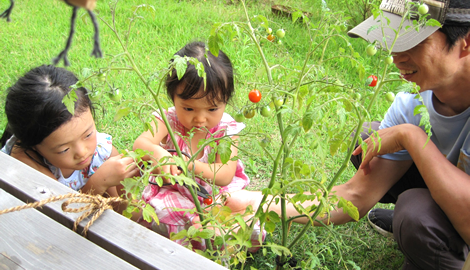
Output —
(219, 75)
(34, 107)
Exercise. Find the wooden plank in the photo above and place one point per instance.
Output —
(122, 237)
(31, 240)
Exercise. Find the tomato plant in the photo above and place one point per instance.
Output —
(373, 80)
(249, 113)
(115, 95)
(270, 38)
(254, 96)
(317, 114)
(265, 142)
(423, 9)
(390, 96)
(239, 117)
(266, 111)
(207, 201)
(101, 76)
(278, 102)
(280, 33)
(371, 49)
(95, 95)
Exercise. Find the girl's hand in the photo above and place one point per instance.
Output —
(116, 169)
(391, 141)
(167, 169)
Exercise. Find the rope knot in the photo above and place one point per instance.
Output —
(95, 204)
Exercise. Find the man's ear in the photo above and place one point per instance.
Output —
(465, 46)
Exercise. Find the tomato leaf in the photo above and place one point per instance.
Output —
(121, 113)
(307, 120)
(69, 101)
(148, 213)
(224, 150)
(205, 234)
(425, 120)
(349, 208)
(180, 66)
(269, 226)
(214, 44)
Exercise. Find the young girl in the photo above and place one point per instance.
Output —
(42, 133)
(198, 109)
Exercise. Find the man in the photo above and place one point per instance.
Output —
(428, 181)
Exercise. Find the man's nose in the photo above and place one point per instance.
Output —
(399, 57)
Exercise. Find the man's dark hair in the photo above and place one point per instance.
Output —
(455, 31)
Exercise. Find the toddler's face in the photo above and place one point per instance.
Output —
(72, 145)
(198, 114)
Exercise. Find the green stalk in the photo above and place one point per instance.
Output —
(162, 114)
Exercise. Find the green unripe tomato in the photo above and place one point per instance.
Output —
(249, 113)
(269, 30)
(278, 102)
(371, 50)
(115, 95)
(389, 60)
(423, 9)
(279, 42)
(94, 96)
(102, 77)
(265, 142)
(390, 96)
(266, 111)
(239, 117)
(280, 33)
(357, 96)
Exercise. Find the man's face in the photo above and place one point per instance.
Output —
(430, 64)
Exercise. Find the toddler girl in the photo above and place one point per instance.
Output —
(198, 109)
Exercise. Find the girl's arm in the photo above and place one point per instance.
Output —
(20, 155)
(110, 174)
(151, 142)
(224, 173)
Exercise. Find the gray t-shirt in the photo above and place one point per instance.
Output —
(449, 133)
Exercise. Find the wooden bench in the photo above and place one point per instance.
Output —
(37, 239)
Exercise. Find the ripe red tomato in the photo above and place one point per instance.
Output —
(270, 38)
(208, 201)
(373, 83)
(254, 95)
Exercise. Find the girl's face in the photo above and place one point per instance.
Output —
(199, 114)
(72, 145)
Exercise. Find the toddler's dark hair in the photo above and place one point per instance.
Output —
(219, 75)
(34, 107)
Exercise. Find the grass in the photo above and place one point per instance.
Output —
(38, 31)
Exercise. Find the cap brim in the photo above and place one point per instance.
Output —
(404, 42)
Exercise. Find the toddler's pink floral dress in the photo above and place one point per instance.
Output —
(165, 199)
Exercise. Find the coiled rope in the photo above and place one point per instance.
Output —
(95, 204)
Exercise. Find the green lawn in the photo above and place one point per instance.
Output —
(38, 31)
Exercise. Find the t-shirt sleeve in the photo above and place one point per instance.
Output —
(401, 112)
(233, 127)
(104, 148)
